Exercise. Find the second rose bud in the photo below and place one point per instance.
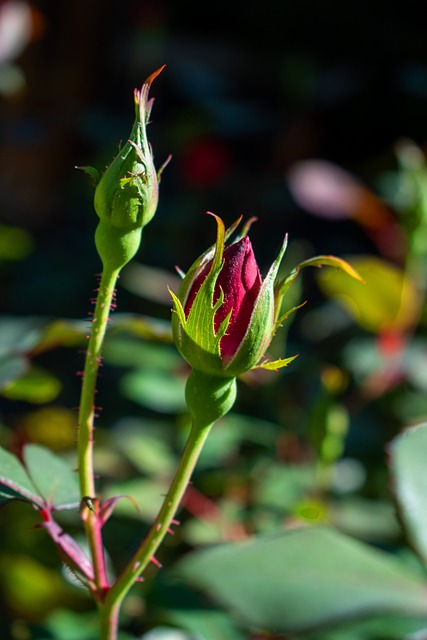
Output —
(225, 313)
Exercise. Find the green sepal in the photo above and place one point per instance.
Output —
(195, 335)
(199, 264)
(274, 365)
(93, 174)
(286, 315)
(318, 261)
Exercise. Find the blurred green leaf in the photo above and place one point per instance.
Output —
(206, 624)
(66, 333)
(145, 327)
(19, 335)
(388, 301)
(15, 243)
(147, 494)
(230, 432)
(63, 624)
(12, 367)
(370, 520)
(29, 588)
(169, 633)
(380, 628)
(36, 386)
(221, 523)
(299, 580)
(150, 282)
(155, 389)
(151, 383)
(127, 351)
(54, 478)
(408, 467)
(14, 480)
(145, 445)
(282, 486)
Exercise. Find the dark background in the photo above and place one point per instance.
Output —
(247, 91)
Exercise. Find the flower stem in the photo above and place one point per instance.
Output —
(161, 526)
(86, 423)
(109, 621)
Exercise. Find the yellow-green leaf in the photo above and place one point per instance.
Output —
(388, 301)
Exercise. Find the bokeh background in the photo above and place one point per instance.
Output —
(311, 117)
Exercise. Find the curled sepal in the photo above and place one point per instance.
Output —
(275, 365)
(203, 260)
(209, 397)
(317, 261)
(93, 174)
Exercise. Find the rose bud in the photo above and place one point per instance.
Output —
(240, 281)
(126, 195)
(225, 313)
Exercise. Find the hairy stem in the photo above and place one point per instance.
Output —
(86, 423)
(161, 526)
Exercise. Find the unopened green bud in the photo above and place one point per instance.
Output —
(127, 193)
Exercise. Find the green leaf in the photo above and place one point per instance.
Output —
(53, 477)
(19, 335)
(147, 494)
(15, 243)
(384, 628)
(203, 623)
(64, 624)
(408, 466)
(145, 445)
(155, 389)
(128, 351)
(36, 386)
(389, 301)
(30, 588)
(67, 333)
(12, 367)
(301, 579)
(14, 480)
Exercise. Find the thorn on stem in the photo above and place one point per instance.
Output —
(156, 562)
